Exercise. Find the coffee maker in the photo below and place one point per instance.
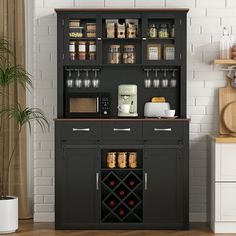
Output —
(127, 100)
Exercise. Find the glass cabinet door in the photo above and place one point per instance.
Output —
(82, 39)
(159, 41)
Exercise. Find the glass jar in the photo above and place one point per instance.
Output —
(76, 32)
(163, 31)
(152, 31)
(91, 30)
(114, 55)
(82, 50)
(129, 55)
(92, 56)
(72, 50)
(91, 46)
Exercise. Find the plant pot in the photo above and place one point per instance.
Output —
(8, 215)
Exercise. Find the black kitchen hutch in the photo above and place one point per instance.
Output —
(154, 194)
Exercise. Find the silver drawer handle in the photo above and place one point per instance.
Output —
(165, 130)
(126, 129)
(144, 38)
(145, 181)
(97, 181)
(77, 130)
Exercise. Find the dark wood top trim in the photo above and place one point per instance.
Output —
(121, 119)
(120, 9)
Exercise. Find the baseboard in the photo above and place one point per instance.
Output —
(197, 217)
(44, 217)
(50, 217)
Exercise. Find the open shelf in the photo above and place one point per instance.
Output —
(121, 188)
(224, 62)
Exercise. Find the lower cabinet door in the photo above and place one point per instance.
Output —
(225, 201)
(77, 186)
(163, 201)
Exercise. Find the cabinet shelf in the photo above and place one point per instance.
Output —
(84, 38)
(120, 169)
(224, 62)
(160, 39)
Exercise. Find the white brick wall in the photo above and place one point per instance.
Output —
(206, 19)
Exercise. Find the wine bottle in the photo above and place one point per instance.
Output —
(121, 193)
(112, 203)
(112, 183)
(131, 202)
(131, 183)
(121, 212)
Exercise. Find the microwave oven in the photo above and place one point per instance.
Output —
(87, 105)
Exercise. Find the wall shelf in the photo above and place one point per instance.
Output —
(224, 62)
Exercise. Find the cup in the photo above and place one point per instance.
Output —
(169, 113)
(124, 108)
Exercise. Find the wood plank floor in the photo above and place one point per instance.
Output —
(28, 228)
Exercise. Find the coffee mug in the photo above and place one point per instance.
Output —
(124, 108)
(169, 113)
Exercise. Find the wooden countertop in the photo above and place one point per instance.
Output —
(120, 9)
(223, 138)
(120, 119)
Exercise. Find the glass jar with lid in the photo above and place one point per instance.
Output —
(152, 31)
(91, 50)
(82, 50)
(163, 31)
(114, 55)
(72, 50)
(129, 55)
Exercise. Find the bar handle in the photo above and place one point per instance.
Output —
(162, 130)
(145, 181)
(125, 130)
(78, 130)
(97, 181)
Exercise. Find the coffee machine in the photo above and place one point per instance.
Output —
(127, 100)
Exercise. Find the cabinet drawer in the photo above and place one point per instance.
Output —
(162, 131)
(226, 162)
(79, 130)
(122, 130)
(225, 201)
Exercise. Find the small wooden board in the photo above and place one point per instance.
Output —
(227, 96)
(229, 117)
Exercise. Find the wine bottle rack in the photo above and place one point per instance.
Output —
(122, 195)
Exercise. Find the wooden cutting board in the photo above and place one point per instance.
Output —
(227, 108)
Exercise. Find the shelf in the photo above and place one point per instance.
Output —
(120, 169)
(121, 65)
(121, 39)
(86, 38)
(224, 62)
(160, 38)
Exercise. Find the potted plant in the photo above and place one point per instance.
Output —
(9, 74)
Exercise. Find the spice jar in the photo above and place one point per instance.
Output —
(163, 31)
(129, 55)
(114, 55)
(72, 50)
(152, 31)
(82, 50)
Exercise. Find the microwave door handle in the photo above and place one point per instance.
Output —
(97, 104)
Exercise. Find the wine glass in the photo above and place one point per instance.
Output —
(147, 81)
(87, 80)
(95, 81)
(70, 81)
(78, 81)
(173, 80)
(164, 81)
(156, 81)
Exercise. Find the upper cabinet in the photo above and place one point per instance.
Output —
(117, 38)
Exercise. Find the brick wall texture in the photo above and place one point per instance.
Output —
(206, 19)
